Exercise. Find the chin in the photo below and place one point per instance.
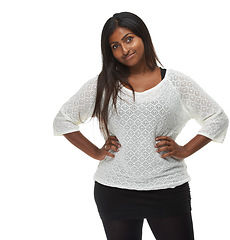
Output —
(130, 64)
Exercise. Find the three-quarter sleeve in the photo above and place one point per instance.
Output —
(77, 110)
(200, 106)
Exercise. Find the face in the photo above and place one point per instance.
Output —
(127, 47)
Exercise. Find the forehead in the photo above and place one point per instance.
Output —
(119, 33)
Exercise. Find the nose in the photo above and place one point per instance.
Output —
(125, 50)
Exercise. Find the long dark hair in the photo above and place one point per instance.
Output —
(113, 71)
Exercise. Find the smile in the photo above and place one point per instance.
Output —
(130, 56)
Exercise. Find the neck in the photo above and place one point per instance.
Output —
(140, 70)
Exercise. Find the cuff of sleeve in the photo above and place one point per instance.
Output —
(215, 138)
(61, 133)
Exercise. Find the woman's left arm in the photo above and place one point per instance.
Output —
(199, 105)
(172, 149)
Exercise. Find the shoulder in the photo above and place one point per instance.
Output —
(89, 88)
(86, 90)
(90, 85)
(179, 79)
(176, 75)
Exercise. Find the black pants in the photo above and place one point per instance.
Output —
(163, 228)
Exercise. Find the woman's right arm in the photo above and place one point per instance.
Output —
(76, 111)
(81, 142)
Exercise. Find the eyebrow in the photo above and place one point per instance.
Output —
(122, 38)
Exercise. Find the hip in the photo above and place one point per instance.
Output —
(117, 203)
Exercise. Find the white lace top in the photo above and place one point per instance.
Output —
(160, 111)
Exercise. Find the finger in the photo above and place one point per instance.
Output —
(109, 146)
(166, 155)
(114, 147)
(164, 149)
(162, 143)
(113, 138)
(163, 138)
(113, 144)
(109, 154)
(116, 143)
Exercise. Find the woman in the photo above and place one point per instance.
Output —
(141, 109)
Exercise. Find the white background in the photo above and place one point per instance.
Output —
(48, 50)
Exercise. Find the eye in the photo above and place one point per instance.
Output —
(115, 46)
(129, 39)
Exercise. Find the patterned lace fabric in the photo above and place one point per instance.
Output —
(160, 111)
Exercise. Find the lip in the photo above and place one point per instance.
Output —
(130, 56)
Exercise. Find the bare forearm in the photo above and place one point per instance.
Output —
(172, 149)
(196, 144)
(81, 142)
